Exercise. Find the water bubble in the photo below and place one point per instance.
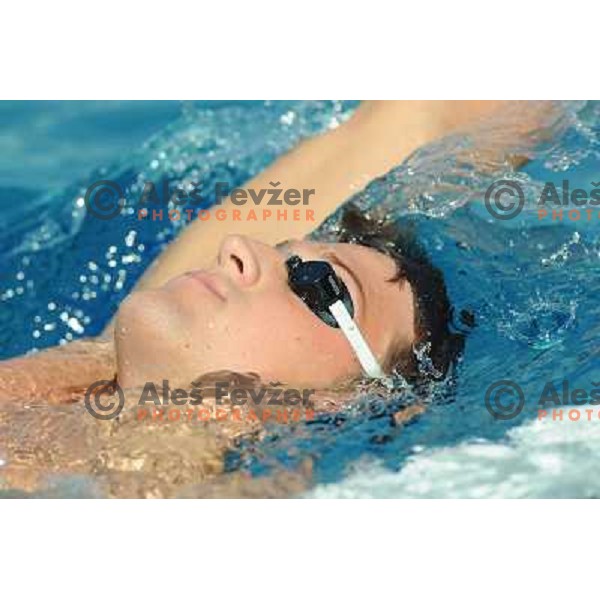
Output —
(130, 238)
(288, 118)
(75, 325)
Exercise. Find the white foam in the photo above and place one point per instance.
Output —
(540, 459)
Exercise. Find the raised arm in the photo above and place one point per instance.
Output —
(337, 164)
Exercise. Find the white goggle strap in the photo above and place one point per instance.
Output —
(367, 359)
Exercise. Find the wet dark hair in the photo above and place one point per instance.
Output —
(438, 344)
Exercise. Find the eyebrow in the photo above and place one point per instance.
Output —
(282, 245)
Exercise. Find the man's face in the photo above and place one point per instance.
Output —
(240, 315)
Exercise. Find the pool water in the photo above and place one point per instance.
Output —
(531, 284)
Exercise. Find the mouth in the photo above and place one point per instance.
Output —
(210, 282)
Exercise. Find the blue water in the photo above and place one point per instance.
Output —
(531, 284)
(63, 271)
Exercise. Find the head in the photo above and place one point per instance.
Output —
(241, 315)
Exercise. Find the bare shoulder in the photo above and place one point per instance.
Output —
(53, 375)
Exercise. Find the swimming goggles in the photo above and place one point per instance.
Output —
(319, 287)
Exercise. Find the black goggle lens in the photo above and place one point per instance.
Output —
(318, 286)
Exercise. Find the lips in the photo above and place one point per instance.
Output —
(210, 282)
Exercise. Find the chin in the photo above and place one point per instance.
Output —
(144, 336)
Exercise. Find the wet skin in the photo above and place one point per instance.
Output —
(241, 315)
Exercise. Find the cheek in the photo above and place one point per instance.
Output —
(283, 340)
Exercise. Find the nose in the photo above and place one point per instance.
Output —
(238, 260)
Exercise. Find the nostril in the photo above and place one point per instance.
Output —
(238, 263)
(239, 259)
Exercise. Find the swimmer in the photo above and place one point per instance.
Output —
(242, 315)
(251, 296)
(220, 297)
